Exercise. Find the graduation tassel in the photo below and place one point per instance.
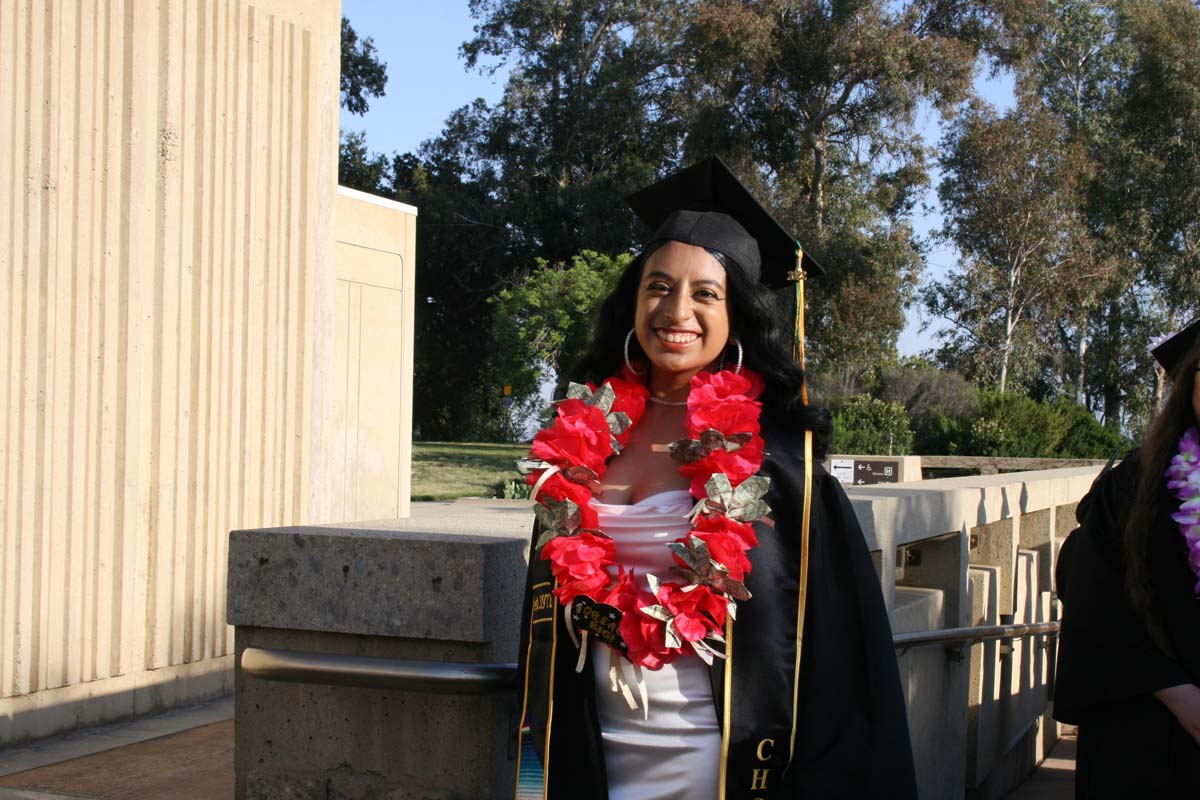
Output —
(798, 277)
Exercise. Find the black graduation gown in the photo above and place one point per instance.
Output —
(1130, 745)
(851, 732)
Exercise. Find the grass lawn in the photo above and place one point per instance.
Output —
(449, 470)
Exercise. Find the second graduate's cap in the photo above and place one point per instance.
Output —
(1171, 352)
(706, 205)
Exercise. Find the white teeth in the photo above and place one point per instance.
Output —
(677, 338)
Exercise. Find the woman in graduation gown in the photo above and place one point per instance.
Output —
(1129, 657)
(702, 618)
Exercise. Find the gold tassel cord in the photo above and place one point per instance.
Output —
(806, 517)
(798, 277)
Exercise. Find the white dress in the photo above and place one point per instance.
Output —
(674, 752)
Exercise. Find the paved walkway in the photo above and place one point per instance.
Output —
(1054, 779)
(189, 754)
(182, 754)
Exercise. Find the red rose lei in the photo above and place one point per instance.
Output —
(722, 457)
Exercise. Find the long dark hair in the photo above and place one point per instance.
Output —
(756, 319)
(1160, 445)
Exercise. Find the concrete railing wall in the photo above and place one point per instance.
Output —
(949, 552)
(976, 550)
(167, 175)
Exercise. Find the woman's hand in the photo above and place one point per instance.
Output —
(1184, 702)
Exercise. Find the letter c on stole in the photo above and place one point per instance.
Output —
(759, 752)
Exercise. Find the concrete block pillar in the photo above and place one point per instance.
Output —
(940, 563)
(444, 585)
(1064, 523)
(936, 568)
(994, 544)
(983, 700)
(933, 713)
(1037, 534)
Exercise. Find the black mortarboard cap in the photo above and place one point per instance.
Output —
(1171, 353)
(706, 205)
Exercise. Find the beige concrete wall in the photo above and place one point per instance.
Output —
(977, 543)
(167, 175)
(371, 413)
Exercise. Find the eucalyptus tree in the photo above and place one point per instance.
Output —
(1009, 206)
(1122, 79)
(824, 98)
(588, 112)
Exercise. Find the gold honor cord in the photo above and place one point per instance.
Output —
(797, 276)
(802, 601)
(727, 704)
(550, 702)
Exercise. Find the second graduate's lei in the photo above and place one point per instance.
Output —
(1183, 478)
(721, 457)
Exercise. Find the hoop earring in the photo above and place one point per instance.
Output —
(628, 363)
(738, 369)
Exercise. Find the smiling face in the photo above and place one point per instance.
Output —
(682, 315)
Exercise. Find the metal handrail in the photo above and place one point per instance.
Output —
(455, 677)
(974, 634)
(446, 677)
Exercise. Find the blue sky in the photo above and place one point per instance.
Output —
(427, 80)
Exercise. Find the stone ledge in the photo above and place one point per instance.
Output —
(375, 581)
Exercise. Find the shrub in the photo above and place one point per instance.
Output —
(864, 425)
(511, 489)
(926, 391)
(937, 434)
(1012, 425)
(938, 403)
(1085, 437)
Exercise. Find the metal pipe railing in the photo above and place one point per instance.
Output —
(973, 634)
(445, 677)
(453, 677)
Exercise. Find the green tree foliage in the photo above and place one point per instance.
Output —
(869, 426)
(590, 110)
(923, 389)
(1010, 208)
(463, 244)
(545, 319)
(1115, 84)
(1159, 111)
(539, 175)
(1084, 436)
(1012, 425)
(815, 104)
(363, 74)
(937, 402)
(1018, 426)
(818, 101)
(358, 167)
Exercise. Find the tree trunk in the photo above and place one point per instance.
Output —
(817, 196)
(1080, 352)
(1112, 388)
(1007, 348)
